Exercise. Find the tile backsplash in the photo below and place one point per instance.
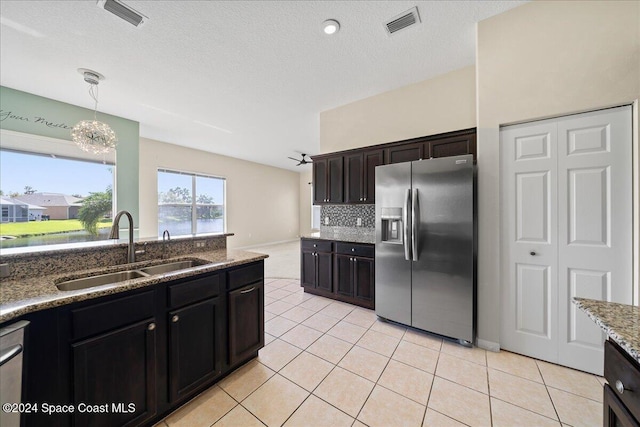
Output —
(347, 215)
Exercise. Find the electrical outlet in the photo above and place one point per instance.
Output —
(359, 222)
(326, 220)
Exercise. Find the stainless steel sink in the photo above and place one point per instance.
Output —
(172, 266)
(121, 276)
(101, 279)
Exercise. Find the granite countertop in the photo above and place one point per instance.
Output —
(621, 322)
(350, 235)
(22, 296)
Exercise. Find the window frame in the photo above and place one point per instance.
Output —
(194, 196)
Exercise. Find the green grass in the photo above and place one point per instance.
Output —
(36, 228)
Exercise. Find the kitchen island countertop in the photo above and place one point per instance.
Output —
(27, 295)
(621, 322)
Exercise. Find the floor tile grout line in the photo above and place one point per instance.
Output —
(527, 409)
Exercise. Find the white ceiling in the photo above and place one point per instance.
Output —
(246, 79)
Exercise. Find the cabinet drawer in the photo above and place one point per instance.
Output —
(355, 249)
(316, 245)
(617, 367)
(245, 275)
(113, 314)
(194, 290)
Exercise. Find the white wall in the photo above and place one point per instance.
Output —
(540, 60)
(262, 201)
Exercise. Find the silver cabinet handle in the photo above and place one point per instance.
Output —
(175, 318)
(315, 246)
(246, 291)
(151, 326)
(415, 225)
(620, 386)
(353, 249)
(10, 353)
(405, 228)
(365, 199)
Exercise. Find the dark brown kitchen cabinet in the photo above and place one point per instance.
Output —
(401, 153)
(246, 312)
(143, 352)
(339, 270)
(354, 273)
(451, 146)
(316, 264)
(328, 180)
(195, 353)
(621, 394)
(101, 367)
(360, 177)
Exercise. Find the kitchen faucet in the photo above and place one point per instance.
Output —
(165, 234)
(115, 234)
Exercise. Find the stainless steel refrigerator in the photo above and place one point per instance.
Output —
(425, 245)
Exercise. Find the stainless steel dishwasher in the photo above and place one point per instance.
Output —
(11, 353)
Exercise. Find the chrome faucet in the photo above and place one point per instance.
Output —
(165, 234)
(115, 234)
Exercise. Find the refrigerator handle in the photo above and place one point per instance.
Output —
(405, 229)
(415, 225)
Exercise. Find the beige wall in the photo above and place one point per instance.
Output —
(305, 202)
(543, 59)
(442, 104)
(262, 201)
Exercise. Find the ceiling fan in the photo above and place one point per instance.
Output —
(302, 161)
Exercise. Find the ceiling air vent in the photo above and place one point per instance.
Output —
(122, 11)
(402, 21)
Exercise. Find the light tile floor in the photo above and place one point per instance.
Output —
(327, 363)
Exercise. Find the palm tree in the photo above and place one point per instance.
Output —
(94, 207)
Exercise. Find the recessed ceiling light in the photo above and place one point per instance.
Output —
(330, 26)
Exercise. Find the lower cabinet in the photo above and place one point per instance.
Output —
(348, 271)
(101, 365)
(195, 355)
(246, 322)
(621, 398)
(131, 358)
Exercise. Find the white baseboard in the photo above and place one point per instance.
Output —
(488, 345)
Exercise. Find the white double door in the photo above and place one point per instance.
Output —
(567, 232)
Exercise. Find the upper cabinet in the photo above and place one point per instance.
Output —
(328, 180)
(360, 176)
(349, 176)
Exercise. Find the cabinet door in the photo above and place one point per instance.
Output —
(195, 337)
(320, 181)
(452, 146)
(344, 275)
(405, 153)
(246, 321)
(116, 368)
(336, 183)
(364, 279)
(324, 267)
(371, 160)
(308, 269)
(353, 178)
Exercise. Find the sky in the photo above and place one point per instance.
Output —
(48, 175)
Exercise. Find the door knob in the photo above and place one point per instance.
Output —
(620, 387)
(532, 253)
(151, 326)
(175, 318)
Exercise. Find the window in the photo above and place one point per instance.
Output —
(190, 203)
(46, 199)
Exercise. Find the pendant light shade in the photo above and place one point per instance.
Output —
(91, 135)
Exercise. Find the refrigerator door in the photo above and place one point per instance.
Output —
(393, 254)
(442, 275)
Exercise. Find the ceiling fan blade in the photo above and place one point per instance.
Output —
(297, 160)
(300, 164)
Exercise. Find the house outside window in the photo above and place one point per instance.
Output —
(190, 203)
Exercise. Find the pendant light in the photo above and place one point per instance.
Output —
(91, 135)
